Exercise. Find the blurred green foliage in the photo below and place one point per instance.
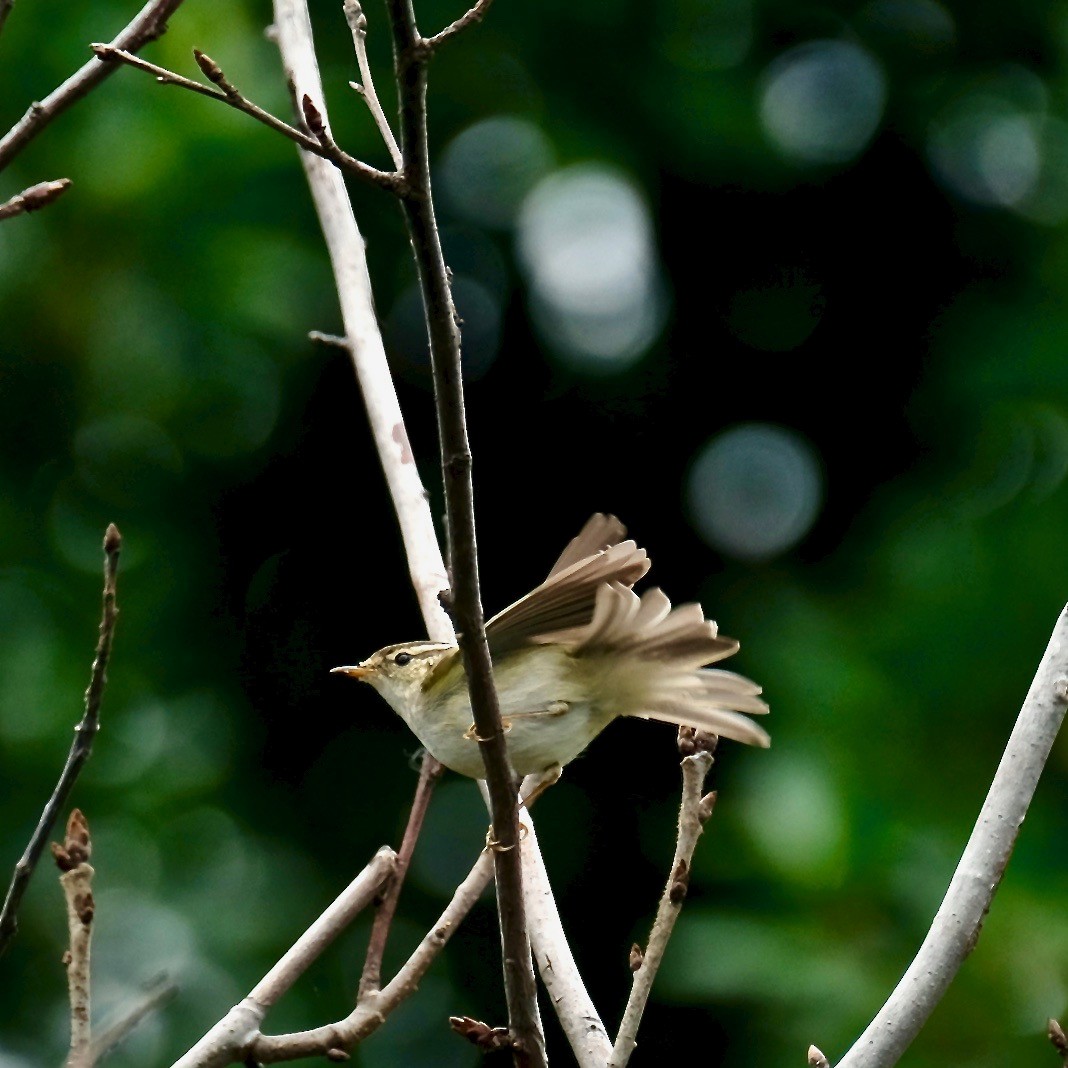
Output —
(849, 221)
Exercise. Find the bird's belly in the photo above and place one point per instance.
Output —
(547, 712)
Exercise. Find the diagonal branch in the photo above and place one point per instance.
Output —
(370, 1014)
(80, 750)
(149, 24)
(357, 21)
(469, 18)
(410, 62)
(35, 197)
(318, 141)
(371, 979)
(574, 1007)
(230, 1039)
(956, 926)
(161, 991)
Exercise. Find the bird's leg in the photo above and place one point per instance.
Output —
(549, 777)
(553, 709)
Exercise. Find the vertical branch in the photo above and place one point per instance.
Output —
(694, 811)
(345, 246)
(411, 55)
(76, 878)
(80, 750)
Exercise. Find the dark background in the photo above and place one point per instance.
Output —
(842, 227)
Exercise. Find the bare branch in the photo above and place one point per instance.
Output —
(150, 23)
(230, 1039)
(159, 993)
(80, 750)
(35, 197)
(357, 21)
(468, 18)
(76, 879)
(817, 1058)
(320, 144)
(694, 770)
(410, 61)
(346, 248)
(575, 1009)
(371, 979)
(370, 1014)
(956, 926)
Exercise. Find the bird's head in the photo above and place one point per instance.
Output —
(401, 673)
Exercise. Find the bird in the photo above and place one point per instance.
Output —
(579, 651)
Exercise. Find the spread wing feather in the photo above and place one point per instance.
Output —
(566, 599)
(587, 604)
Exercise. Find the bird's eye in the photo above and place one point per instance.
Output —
(402, 658)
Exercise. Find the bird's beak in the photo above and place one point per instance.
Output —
(357, 672)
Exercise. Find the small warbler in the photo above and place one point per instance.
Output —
(568, 658)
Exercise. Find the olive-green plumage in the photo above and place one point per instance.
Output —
(568, 658)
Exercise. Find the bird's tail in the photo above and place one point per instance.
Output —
(667, 651)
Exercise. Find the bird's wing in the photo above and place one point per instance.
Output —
(664, 648)
(600, 532)
(566, 599)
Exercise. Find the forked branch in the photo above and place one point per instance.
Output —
(150, 23)
(320, 143)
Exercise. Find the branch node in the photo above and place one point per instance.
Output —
(680, 883)
(1057, 1036)
(707, 806)
(214, 73)
(313, 117)
(34, 198)
(338, 1056)
(486, 1038)
(816, 1058)
(636, 957)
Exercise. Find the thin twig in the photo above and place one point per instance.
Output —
(357, 21)
(150, 23)
(5, 10)
(76, 879)
(371, 979)
(34, 198)
(693, 812)
(468, 18)
(227, 94)
(955, 929)
(230, 1039)
(160, 992)
(410, 62)
(80, 750)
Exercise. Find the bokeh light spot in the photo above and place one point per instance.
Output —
(822, 101)
(488, 168)
(755, 491)
(587, 245)
(707, 35)
(804, 840)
